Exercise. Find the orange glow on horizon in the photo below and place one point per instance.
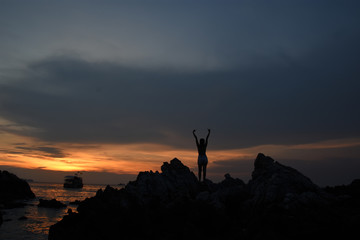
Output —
(26, 152)
(127, 158)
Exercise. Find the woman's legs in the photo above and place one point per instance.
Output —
(200, 170)
(202, 163)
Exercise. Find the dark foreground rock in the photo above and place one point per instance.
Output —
(53, 203)
(277, 203)
(13, 190)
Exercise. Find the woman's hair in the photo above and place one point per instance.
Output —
(202, 141)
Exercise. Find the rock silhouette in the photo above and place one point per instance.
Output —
(13, 188)
(274, 183)
(175, 181)
(278, 203)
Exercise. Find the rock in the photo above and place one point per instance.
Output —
(355, 183)
(347, 197)
(13, 188)
(274, 183)
(226, 194)
(179, 175)
(232, 191)
(278, 203)
(53, 203)
(176, 180)
(169, 201)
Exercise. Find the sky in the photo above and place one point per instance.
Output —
(111, 88)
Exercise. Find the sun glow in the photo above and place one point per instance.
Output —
(26, 152)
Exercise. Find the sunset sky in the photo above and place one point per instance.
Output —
(112, 88)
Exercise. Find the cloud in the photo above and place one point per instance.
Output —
(19, 144)
(183, 35)
(69, 99)
(53, 152)
(254, 73)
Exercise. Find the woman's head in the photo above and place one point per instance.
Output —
(202, 141)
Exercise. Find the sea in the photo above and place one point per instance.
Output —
(33, 222)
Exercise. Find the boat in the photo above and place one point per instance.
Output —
(73, 181)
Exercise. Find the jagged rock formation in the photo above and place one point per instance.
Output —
(13, 188)
(175, 181)
(278, 203)
(274, 183)
(169, 205)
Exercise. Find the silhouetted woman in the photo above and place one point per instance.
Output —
(202, 159)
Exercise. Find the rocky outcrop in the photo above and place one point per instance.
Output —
(175, 181)
(170, 204)
(352, 190)
(278, 203)
(13, 188)
(53, 203)
(274, 183)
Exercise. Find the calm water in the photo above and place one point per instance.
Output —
(36, 226)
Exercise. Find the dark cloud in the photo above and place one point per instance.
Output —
(310, 98)
(53, 152)
(7, 151)
(255, 72)
(193, 34)
(19, 144)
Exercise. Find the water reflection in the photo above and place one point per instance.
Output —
(36, 226)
